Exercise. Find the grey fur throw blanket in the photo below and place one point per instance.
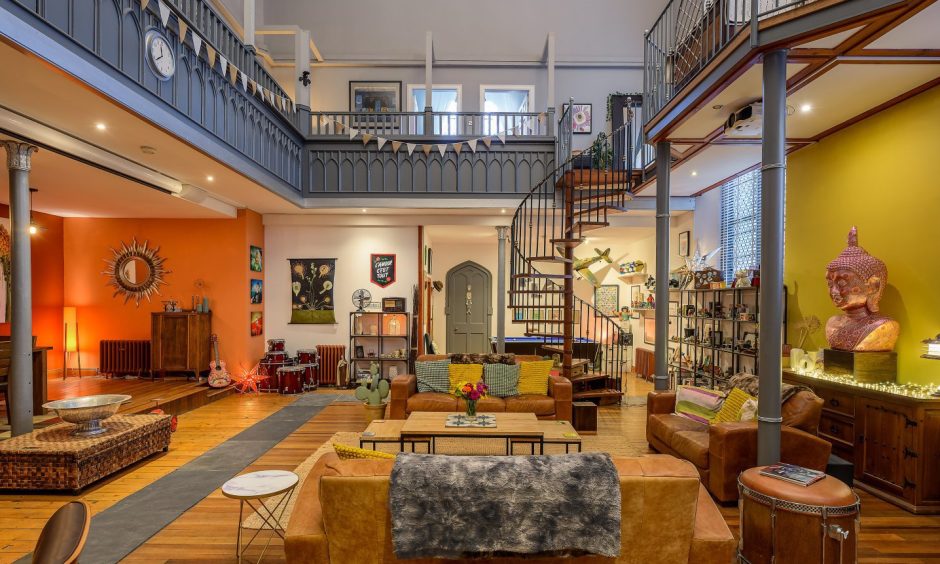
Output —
(470, 506)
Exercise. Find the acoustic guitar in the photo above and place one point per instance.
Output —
(218, 375)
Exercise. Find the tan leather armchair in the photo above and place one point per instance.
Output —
(722, 451)
(404, 397)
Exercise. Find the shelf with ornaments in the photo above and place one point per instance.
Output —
(381, 337)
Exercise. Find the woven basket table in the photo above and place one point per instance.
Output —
(54, 459)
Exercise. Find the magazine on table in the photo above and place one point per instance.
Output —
(793, 473)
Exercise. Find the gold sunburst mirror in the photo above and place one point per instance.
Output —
(136, 271)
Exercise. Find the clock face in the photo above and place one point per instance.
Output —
(160, 55)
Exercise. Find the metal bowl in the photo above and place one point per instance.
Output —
(87, 412)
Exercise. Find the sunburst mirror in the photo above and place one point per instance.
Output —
(136, 271)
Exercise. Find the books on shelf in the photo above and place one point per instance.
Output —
(793, 473)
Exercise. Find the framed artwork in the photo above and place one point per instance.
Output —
(257, 291)
(311, 289)
(649, 330)
(382, 269)
(750, 339)
(580, 118)
(634, 294)
(359, 352)
(257, 323)
(374, 97)
(255, 259)
(684, 244)
(607, 298)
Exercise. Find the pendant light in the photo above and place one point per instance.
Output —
(33, 226)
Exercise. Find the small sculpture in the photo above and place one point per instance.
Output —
(857, 281)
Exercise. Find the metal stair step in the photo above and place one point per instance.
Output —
(536, 291)
(541, 275)
(601, 210)
(549, 259)
(567, 243)
(582, 226)
(600, 195)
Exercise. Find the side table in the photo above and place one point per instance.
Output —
(257, 486)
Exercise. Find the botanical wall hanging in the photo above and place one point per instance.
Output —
(312, 290)
(136, 271)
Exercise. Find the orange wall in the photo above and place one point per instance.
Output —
(214, 250)
(48, 277)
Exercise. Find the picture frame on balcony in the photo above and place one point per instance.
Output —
(580, 118)
(376, 97)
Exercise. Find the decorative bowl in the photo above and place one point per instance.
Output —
(87, 412)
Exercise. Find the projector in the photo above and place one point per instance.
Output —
(746, 122)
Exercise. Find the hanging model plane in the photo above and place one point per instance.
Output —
(582, 266)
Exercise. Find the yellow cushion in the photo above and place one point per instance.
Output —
(731, 407)
(460, 373)
(533, 377)
(346, 452)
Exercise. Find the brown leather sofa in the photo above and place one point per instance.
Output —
(722, 451)
(342, 516)
(405, 397)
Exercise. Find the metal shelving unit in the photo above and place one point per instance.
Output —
(381, 333)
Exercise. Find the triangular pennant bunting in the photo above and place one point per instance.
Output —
(143, 5)
(234, 76)
(381, 141)
(395, 146)
(541, 117)
(410, 147)
(244, 82)
(271, 94)
(366, 137)
(183, 29)
(223, 63)
(472, 143)
(487, 141)
(253, 85)
(197, 43)
(210, 52)
(502, 137)
(164, 12)
(352, 133)
(442, 148)
(426, 149)
(457, 147)
(338, 127)
(261, 92)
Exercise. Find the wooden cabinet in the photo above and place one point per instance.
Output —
(893, 440)
(180, 342)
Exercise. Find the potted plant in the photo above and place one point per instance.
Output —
(373, 393)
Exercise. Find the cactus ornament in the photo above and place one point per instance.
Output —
(375, 389)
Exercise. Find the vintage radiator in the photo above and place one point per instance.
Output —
(122, 357)
(330, 356)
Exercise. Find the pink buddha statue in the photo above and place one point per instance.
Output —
(857, 281)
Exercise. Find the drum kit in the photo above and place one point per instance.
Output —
(286, 375)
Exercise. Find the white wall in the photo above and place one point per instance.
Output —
(708, 221)
(351, 246)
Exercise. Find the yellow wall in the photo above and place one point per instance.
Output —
(883, 175)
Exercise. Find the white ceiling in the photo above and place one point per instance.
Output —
(712, 164)
(920, 32)
(830, 41)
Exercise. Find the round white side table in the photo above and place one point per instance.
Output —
(255, 487)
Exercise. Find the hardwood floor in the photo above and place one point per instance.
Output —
(206, 532)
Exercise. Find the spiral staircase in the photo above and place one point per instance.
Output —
(579, 196)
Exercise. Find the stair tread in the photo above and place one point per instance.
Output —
(541, 275)
(594, 177)
(554, 348)
(597, 195)
(549, 259)
(588, 377)
(546, 321)
(601, 393)
(536, 291)
(547, 306)
(605, 209)
(563, 242)
(582, 226)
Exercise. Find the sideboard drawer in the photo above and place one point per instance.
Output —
(837, 401)
(837, 428)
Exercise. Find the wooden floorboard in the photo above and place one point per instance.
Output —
(206, 533)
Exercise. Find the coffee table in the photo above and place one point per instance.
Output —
(426, 427)
(385, 431)
(557, 432)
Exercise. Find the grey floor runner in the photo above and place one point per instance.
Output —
(118, 530)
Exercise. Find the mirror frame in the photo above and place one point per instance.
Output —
(144, 288)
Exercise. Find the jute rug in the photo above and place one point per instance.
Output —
(613, 444)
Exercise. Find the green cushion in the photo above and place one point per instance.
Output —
(502, 379)
(433, 376)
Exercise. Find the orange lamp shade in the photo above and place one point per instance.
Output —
(69, 319)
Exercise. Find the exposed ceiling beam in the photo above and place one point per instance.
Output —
(288, 30)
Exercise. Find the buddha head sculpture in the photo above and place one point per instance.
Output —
(857, 281)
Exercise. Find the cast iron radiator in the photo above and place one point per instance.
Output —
(122, 357)
(330, 355)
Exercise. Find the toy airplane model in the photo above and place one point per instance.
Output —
(582, 266)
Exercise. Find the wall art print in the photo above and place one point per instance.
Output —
(255, 259)
(257, 323)
(580, 118)
(312, 290)
(257, 291)
(382, 269)
(607, 299)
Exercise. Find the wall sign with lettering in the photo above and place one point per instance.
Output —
(382, 270)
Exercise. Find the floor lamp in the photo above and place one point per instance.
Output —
(70, 340)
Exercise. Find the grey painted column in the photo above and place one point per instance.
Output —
(502, 232)
(773, 178)
(663, 162)
(21, 326)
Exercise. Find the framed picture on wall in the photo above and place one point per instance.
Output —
(607, 298)
(649, 330)
(255, 259)
(257, 323)
(257, 291)
(684, 244)
(580, 118)
(634, 294)
(374, 97)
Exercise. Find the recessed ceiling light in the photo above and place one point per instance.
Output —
(694, 173)
(806, 108)
(502, 210)
(33, 229)
(363, 210)
(147, 150)
(100, 126)
(210, 178)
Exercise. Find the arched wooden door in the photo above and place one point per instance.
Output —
(469, 308)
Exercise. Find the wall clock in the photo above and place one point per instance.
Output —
(160, 55)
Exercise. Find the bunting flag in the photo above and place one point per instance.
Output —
(502, 138)
(442, 148)
(410, 147)
(457, 147)
(472, 143)
(338, 127)
(183, 28)
(366, 137)
(396, 145)
(144, 4)
(223, 63)
(487, 141)
(253, 85)
(210, 53)
(352, 133)
(261, 92)
(197, 43)
(381, 141)
(426, 149)
(271, 94)
(234, 75)
(164, 12)
(244, 82)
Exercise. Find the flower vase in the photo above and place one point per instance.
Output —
(471, 408)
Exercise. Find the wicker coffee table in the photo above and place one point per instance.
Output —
(426, 427)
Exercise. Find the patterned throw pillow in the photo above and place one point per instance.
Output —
(466, 358)
(731, 407)
(533, 377)
(346, 452)
(433, 376)
(502, 379)
(460, 373)
(698, 404)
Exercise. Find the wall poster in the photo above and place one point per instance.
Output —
(312, 290)
(382, 269)
(607, 299)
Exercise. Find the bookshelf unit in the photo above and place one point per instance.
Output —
(381, 334)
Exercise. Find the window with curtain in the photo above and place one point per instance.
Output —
(740, 223)
(503, 101)
(445, 99)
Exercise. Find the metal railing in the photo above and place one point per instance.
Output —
(689, 34)
(409, 125)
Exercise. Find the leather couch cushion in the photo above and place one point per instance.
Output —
(432, 401)
(530, 403)
(802, 411)
(664, 425)
(692, 446)
(487, 404)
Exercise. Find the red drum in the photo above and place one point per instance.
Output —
(275, 356)
(306, 356)
(310, 376)
(277, 345)
(290, 379)
(267, 372)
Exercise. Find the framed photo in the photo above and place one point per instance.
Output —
(580, 118)
(257, 323)
(359, 352)
(374, 97)
(607, 298)
(684, 244)
(255, 259)
(649, 330)
(257, 291)
(634, 294)
(673, 309)
(750, 338)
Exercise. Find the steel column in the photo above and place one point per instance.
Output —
(21, 326)
(663, 162)
(248, 23)
(428, 83)
(502, 233)
(773, 178)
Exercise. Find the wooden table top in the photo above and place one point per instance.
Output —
(559, 432)
(507, 425)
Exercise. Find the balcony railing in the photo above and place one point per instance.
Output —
(405, 125)
(689, 34)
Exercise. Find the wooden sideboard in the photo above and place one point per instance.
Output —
(179, 342)
(893, 440)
